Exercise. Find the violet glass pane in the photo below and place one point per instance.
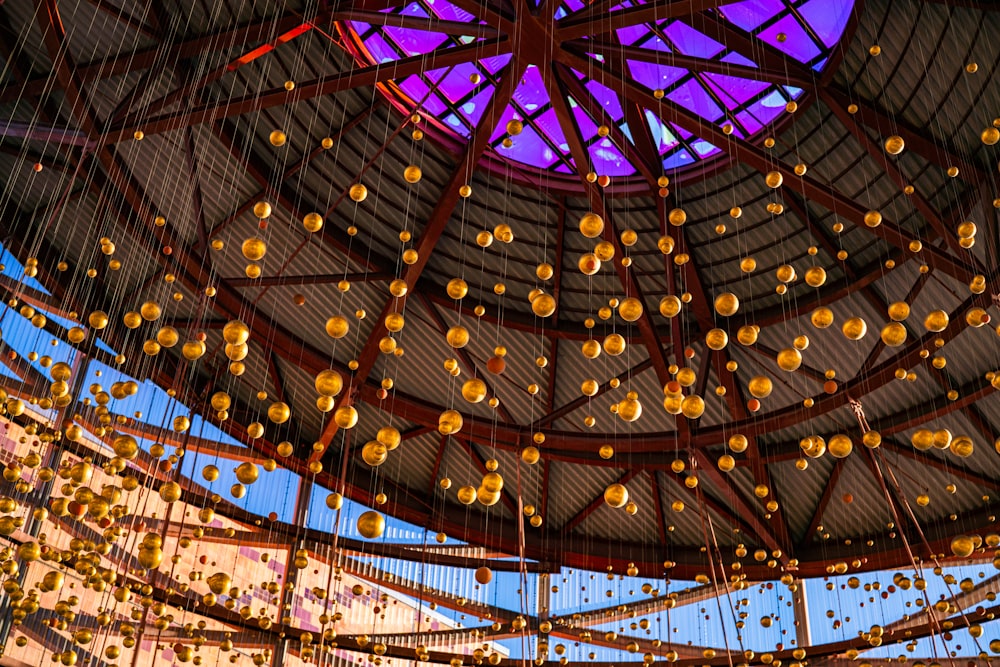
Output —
(732, 89)
(797, 44)
(691, 42)
(496, 63)
(473, 109)
(450, 12)
(654, 43)
(379, 49)
(607, 99)
(458, 83)
(530, 93)
(749, 121)
(413, 9)
(415, 42)
(737, 59)
(819, 66)
(692, 96)
(680, 132)
(828, 18)
(751, 13)
(501, 129)
(632, 34)
(456, 124)
(588, 127)
(655, 76)
(608, 160)
(417, 89)
(562, 169)
(764, 110)
(549, 124)
(529, 148)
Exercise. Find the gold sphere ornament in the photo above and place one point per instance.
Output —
(236, 332)
(374, 453)
(693, 406)
(450, 422)
(279, 412)
(738, 443)
(789, 359)
(358, 193)
(815, 276)
(277, 138)
(899, 311)
(193, 350)
(630, 309)
(346, 416)
(840, 446)
(457, 288)
(716, 339)
(677, 217)
(371, 525)
(412, 174)
(873, 219)
(328, 383)
(774, 179)
(727, 304)
(503, 233)
(963, 546)
(786, 273)
(484, 575)
(466, 495)
(962, 446)
(894, 145)
(629, 409)
(313, 222)
(893, 334)
(936, 321)
(591, 225)
(474, 390)
(616, 495)
(854, 328)
(98, 319)
(670, 306)
(726, 463)
(760, 386)
(747, 334)
(543, 305)
(262, 209)
(530, 455)
(170, 492)
(614, 344)
(337, 326)
(457, 337)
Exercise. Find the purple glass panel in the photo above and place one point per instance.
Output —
(549, 124)
(607, 99)
(562, 169)
(632, 34)
(530, 93)
(680, 132)
(474, 108)
(588, 127)
(415, 42)
(608, 160)
(749, 121)
(412, 9)
(529, 148)
(417, 89)
(655, 76)
(496, 63)
(458, 83)
(797, 43)
(828, 18)
(691, 95)
(737, 59)
(379, 49)
(691, 42)
(450, 12)
(456, 124)
(501, 128)
(751, 13)
(733, 90)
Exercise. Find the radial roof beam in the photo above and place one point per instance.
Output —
(430, 235)
(330, 85)
(594, 19)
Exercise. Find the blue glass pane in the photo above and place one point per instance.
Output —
(704, 148)
(828, 18)
(692, 96)
(273, 492)
(797, 42)
(15, 271)
(414, 42)
(691, 42)
(751, 13)
(664, 138)
(679, 159)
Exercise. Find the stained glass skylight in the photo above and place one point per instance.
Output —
(702, 63)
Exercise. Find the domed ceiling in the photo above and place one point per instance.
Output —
(452, 310)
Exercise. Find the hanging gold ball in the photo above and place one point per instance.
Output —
(616, 495)
(236, 333)
(630, 309)
(990, 136)
(358, 193)
(774, 179)
(457, 336)
(815, 276)
(716, 339)
(789, 359)
(840, 446)
(474, 390)
(873, 219)
(346, 417)
(591, 225)
(760, 386)
(466, 495)
(328, 383)
(279, 412)
(457, 288)
(893, 334)
(936, 321)
(543, 305)
(614, 344)
(514, 127)
(894, 145)
(963, 546)
(313, 222)
(727, 304)
(374, 453)
(670, 306)
(747, 335)
(677, 217)
(337, 326)
(450, 422)
(692, 406)
(371, 525)
(855, 328)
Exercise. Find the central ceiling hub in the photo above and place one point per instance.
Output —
(534, 41)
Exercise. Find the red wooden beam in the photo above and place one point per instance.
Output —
(430, 235)
(594, 20)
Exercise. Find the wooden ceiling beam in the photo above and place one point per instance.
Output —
(594, 19)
